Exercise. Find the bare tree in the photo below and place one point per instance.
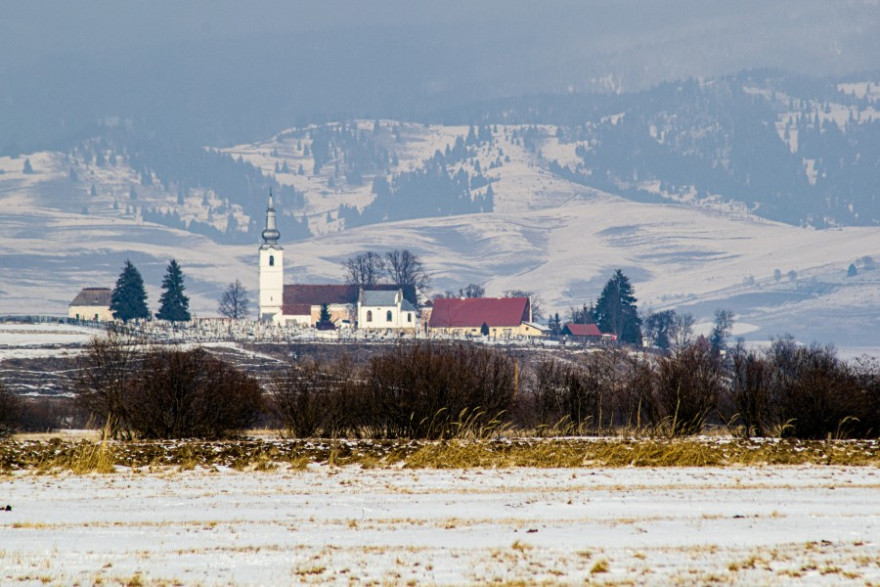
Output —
(473, 290)
(10, 411)
(107, 372)
(683, 331)
(234, 303)
(364, 269)
(405, 268)
(536, 301)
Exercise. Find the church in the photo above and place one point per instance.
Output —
(300, 304)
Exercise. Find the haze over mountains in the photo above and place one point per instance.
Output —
(723, 157)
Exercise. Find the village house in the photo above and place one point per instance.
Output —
(91, 303)
(385, 310)
(499, 318)
(587, 333)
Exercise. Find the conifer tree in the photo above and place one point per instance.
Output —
(173, 305)
(129, 300)
(616, 310)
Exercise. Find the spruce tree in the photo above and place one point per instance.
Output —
(616, 310)
(129, 300)
(173, 305)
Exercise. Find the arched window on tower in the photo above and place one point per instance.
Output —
(369, 315)
(271, 260)
(388, 316)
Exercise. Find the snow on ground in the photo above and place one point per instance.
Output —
(758, 525)
(15, 335)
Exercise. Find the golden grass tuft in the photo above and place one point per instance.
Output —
(84, 457)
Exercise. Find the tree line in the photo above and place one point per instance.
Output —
(128, 300)
(131, 389)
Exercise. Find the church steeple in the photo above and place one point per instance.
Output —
(270, 234)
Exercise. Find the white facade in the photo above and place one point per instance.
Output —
(92, 304)
(385, 310)
(92, 313)
(271, 270)
(271, 282)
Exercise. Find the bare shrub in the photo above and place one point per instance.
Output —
(47, 414)
(750, 392)
(434, 390)
(183, 394)
(688, 384)
(816, 395)
(312, 398)
(566, 396)
(867, 373)
(106, 374)
(10, 411)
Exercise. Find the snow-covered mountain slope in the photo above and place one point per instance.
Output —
(547, 234)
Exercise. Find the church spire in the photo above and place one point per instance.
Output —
(270, 234)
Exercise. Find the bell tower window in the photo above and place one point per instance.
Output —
(271, 260)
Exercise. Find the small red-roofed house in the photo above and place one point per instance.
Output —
(585, 333)
(494, 317)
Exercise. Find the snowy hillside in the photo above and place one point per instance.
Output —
(75, 218)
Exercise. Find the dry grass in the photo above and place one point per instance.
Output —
(85, 457)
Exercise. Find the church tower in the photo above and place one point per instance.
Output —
(271, 269)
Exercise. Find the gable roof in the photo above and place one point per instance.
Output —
(316, 295)
(581, 330)
(473, 312)
(93, 296)
(373, 297)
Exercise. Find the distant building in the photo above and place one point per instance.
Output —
(300, 304)
(584, 333)
(385, 310)
(91, 303)
(493, 317)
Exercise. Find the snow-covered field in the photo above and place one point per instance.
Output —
(342, 525)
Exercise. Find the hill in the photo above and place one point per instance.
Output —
(552, 207)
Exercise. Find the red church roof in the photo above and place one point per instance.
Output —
(317, 295)
(474, 312)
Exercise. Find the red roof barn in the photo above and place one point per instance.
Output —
(474, 312)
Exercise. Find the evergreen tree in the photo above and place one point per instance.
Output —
(555, 324)
(173, 305)
(721, 329)
(27, 167)
(129, 300)
(616, 310)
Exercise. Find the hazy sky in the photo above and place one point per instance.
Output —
(207, 63)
